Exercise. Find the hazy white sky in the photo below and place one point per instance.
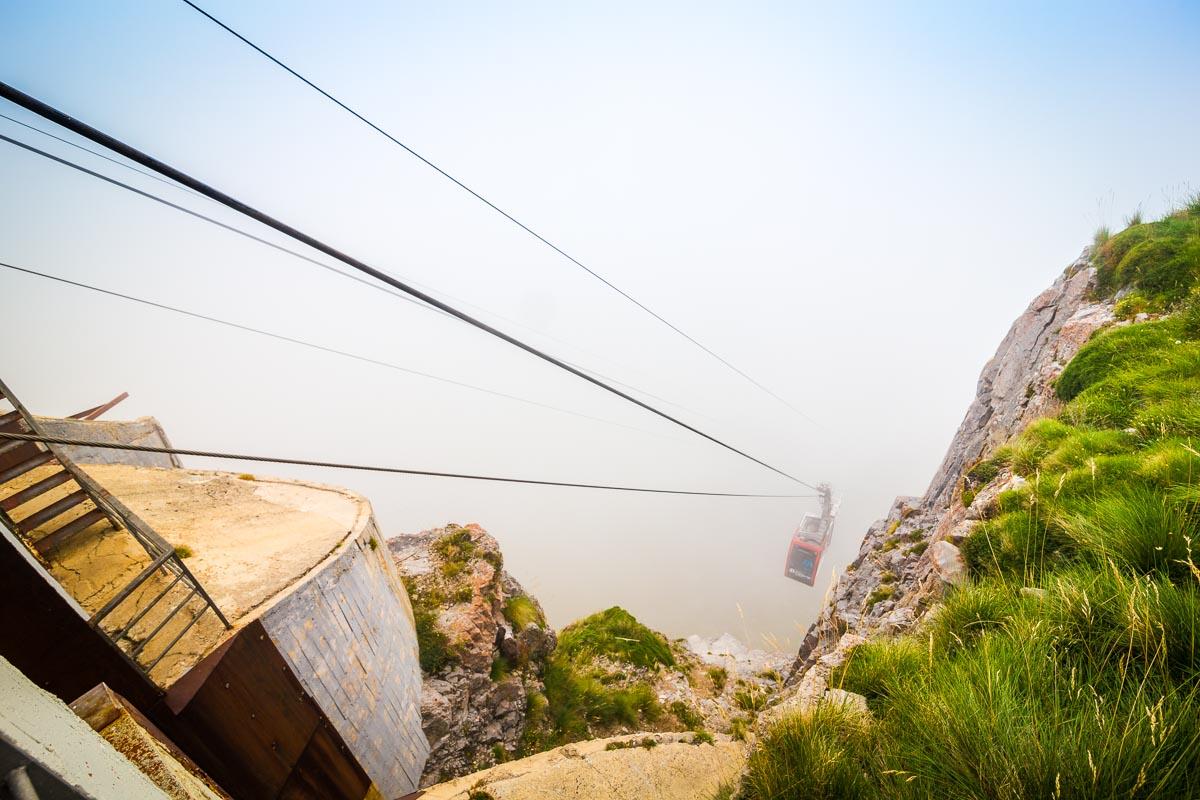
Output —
(851, 203)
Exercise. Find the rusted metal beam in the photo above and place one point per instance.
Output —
(120, 596)
(55, 509)
(96, 411)
(37, 489)
(163, 623)
(119, 635)
(72, 528)
(195, 618)
(43, 457)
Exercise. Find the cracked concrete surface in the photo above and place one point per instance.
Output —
(250, 539)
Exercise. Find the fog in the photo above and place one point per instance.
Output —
(851, 205)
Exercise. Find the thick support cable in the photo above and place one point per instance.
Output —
(492, 206)
(76, 126)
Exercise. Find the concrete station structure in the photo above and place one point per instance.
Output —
(311, 689)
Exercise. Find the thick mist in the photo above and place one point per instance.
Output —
(851, 206)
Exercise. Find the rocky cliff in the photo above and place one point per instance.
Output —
(909, 556)
(484, 643)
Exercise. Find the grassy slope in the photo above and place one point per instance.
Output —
(592, 682)
(1085, 683)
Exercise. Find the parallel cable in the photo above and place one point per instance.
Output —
(205, 217)
(372, 285)
(300, 462)
(492, 205)
(133, 154)
(320, 347)
(97, 154)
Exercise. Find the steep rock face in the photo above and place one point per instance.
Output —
(898, 574)
(484, 643)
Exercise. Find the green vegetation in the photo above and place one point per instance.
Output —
(917, 549)
(647, 743)
(688, 718)
(771, 675)
(724, 792)
(183, 551)
(750, 698)
(719, 677)
(373, 543)
(521, 611)
(1069, 666)
(881, 593)
(615, 634)
(738, 728)
(454, 550)
(433, 646)
(816, 756)
(702, 737)
(1161, 259)
(584, 695)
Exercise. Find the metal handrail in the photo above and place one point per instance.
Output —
(160, 550)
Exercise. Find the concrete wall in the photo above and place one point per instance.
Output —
(348, 635)
(62, 751)
(143, 431)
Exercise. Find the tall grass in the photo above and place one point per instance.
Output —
(591, 683)
(1069, 666)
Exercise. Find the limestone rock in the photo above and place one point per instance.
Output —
(851, 700)
(1015, 388)
(729, 652)
(618, 768)
(1015, 385)
(984, 505)
(948, 562)
(454, 574)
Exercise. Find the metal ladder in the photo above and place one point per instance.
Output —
(102, 513)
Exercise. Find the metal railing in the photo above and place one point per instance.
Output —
(165, 566)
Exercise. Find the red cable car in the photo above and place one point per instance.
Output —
(810, 540)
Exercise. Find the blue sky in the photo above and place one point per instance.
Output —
(850, 203)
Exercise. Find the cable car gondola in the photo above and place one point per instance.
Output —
(810, 540)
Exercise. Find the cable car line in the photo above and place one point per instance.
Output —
(133, 154)
(493, 206)
(177, 451)
(315, 346)
(198, 215)
(98, 154)
(372, 285)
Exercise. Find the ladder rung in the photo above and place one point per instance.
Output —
(12, 445)
(43, 457)
(55, 509)
(9, 418)
(137, 651)
(47, 543)
(129, 589)
(37, 489)
(195, 618)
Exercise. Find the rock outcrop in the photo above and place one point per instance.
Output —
(667, 766)
(907, 558)
(484, 643)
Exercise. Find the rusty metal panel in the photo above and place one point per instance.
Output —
(250, 724)
(46, 637)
